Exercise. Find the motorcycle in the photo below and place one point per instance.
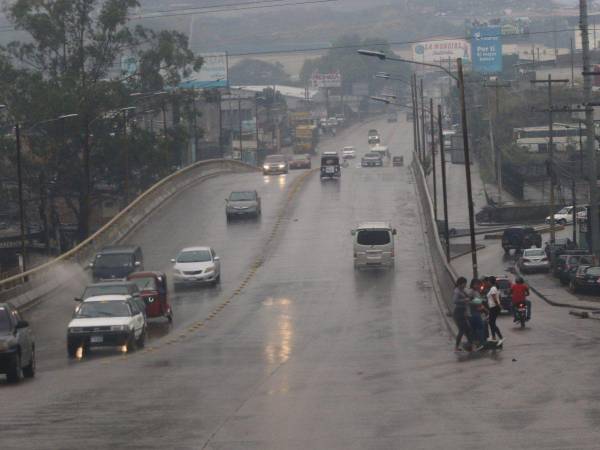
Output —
(521, 314)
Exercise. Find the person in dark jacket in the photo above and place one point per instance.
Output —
(460, 302)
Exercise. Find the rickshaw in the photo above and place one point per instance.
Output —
(153, 290)
(330, 165)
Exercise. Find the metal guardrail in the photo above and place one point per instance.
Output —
(46, 277)
(444, 272)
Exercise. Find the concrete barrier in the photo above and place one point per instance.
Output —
(26, 288)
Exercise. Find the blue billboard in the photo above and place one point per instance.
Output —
(486, 49)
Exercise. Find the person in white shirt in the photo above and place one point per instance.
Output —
(493, 300)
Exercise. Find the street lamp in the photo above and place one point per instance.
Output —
(461, 85)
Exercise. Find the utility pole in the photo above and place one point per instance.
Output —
(21, 206)
(444, 190)
(550, 163)
(465, 133)
(424, 142)
(240, 120)
(589, 125)
(496, 153)
(414, 120)
(435, 209)
(572, 64)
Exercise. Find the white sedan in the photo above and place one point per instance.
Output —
(534, 259)
(196, 265)
(348, 153)
(565, 215)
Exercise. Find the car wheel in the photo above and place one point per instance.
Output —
(142, 339)
(29, 370)
(72, 349)
(228, 217)
(131, 343)
(562, 222)
(15, 372)
(506, 250)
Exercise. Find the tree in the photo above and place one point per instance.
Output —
(71, 64)
(257, 72)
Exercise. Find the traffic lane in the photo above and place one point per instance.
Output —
(196, 216)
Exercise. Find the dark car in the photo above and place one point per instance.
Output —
(504, 286)
(300, 162)
(275, 164)
(373, 136)
(372, 159)
(567, 264)
(116, 262)
(17, 345)
(586, 278)
(112, 288)
(520, 238)
(330, 165)
(243, 203)
(558, 247)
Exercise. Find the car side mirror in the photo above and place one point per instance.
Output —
(78, 299)
(137, 264)
(394, 232)
(173, 260)
(352, 232)
(216, 258)
(90, 265)
(22, 324)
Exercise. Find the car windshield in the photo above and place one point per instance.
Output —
(109, 289)
(4, 321)
(145, 283)
(274, 159)
(329, 161)
(194, 256)
(373, 237)
(372, 155)
(113, 260)
(564, 211)
(594, 271)
(112, 308)
(242, 196)
(348, 149)
(534, 252)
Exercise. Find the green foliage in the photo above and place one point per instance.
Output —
(258, 72)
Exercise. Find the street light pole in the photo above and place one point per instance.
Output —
(435, 209)
(414, 121)
(463, 113)
(444, 190)
(423, 141)
(20, 193)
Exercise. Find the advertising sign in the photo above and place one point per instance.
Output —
(212, 74)
(326, 80)
(486, 49)
(442, 50)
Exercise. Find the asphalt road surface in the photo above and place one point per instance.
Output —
(296, 349)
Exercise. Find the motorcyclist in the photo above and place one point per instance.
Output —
(519, 292)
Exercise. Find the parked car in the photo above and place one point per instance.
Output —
(586, 278)
(554, 249)
(300, 162)
(196, 265)
(17, 345)
(520, 238)
(116, 262)
(565, 215)
(275, 164)
(243, 203)
(106, 321)
(348, 152)
(568, 263)
(371, 159)
(533, 260)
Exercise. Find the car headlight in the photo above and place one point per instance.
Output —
(209, 270)
(281, 166)
(266, 167)
(119, 328)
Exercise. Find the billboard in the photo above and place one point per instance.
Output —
(326, 80)
(486, 49)
(441, 50)
(212, 74)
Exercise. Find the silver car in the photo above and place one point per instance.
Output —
(242, 203)
(533, 260)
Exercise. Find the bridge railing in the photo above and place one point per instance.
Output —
(29, 286)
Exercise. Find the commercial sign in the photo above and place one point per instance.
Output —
(486, 49)
(442, 50)
(326, 80)
(212, 74)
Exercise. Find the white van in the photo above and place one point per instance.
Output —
(374, 245)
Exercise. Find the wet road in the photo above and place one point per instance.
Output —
(301, 351)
